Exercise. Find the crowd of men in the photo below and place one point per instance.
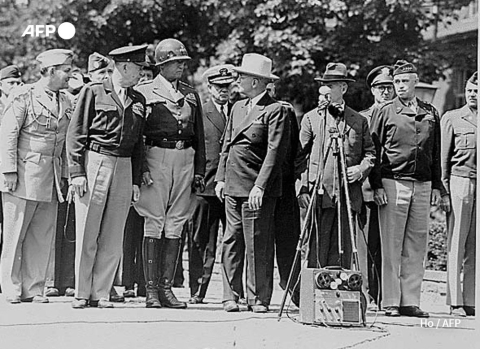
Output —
(136, 163)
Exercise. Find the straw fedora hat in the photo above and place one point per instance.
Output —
(335, 72)
(256, 65)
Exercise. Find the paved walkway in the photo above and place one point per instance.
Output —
(131, 326)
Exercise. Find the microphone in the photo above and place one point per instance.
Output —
(324, 97)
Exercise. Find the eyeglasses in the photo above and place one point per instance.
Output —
(383, 88)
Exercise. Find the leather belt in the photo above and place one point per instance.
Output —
(164, 143)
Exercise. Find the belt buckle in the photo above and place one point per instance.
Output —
(180, 145)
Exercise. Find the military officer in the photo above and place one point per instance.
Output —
(105, 153)
(406, 180)
(32, 142)
(209, 210)
(175, 163)
(459, 176)
(99, 67)
(10, 77)
(249, 181)
(380, 83)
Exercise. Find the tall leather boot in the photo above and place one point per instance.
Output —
(151, 251)
(169, 257)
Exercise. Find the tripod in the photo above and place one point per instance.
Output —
(336, 146)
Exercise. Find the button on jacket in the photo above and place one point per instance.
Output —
(459, 144)
(101, 123)
(408, 143)
(174, 118)
(32, 142)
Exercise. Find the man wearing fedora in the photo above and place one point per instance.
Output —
(406, 180)
(333, 119)
(459, 176)
(249, 181)
(380, 83)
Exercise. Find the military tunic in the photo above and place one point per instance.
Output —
(175, 153)
(32, 145)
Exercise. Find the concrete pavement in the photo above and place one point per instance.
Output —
(130, 325)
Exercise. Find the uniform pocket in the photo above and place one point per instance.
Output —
(32, 157)
(465, 138)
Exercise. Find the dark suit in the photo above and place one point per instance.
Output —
(359, 151)
(252, 155)
(209, 210)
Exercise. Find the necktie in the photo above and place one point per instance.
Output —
(222, 111)
(250, 106)
(122, 94)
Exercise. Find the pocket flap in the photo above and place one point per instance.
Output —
(32, 157)
(105, 107)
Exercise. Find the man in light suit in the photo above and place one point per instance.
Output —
(249, 180)
(209, 210)
(32, 148)
(333, 119)
(459, 176)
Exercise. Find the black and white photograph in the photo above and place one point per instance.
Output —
(216, 174)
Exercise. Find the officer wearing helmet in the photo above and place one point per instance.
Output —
(174, 169)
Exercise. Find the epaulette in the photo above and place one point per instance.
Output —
(20, 90)
(143, 83)
(186, 85)
(384, 104)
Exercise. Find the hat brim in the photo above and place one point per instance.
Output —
(178, 58)
(248, 72)
(333, 79)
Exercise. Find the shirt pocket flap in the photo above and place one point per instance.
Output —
(105, 107)
(464, 130)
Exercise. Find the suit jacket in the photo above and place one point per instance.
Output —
(32, 140)
(253, 152)
(459, 145)
(214, 127)
(174, 118)
(358, 145)
(101, 119)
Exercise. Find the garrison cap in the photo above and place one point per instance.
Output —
(220, 74)
(403, 67)
(96, 61)
(380, 75)
(473, 79)
(135, 54)
(335, 72)
(10, 71)
(53, 57)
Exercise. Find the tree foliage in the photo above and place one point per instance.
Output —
(301, 36)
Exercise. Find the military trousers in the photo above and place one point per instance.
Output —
(404, 224)
(248, 236)
(29, 232)
(167, 203)
(461, 241)
(100, 221)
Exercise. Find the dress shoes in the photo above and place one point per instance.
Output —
(457, 311)
(14, 300)
(469, 310)
(195, 300)
(35, 299)
(392, 311)
(414, 311)
(129, 294)
(52, 292)
(117, 298)
(230, 306)
(79, 304)
(70, 292)
(258, 308)
(102, 303)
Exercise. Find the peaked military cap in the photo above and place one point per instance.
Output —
(135, 54)
(335, 72)
(403, 67)
(10, 71)
(380, 75)
(220, 74)
(53, 57)
(96, 61)
(473, 79)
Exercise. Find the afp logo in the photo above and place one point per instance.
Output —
(65, 30)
